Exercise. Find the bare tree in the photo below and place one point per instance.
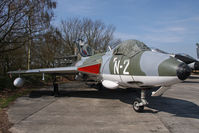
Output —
(11, 25)
(96, 33)
(47, 48)
(71, 31)
(38, 19)
(21, 23)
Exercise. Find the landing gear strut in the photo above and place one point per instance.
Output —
(55, 87)
(139, 103)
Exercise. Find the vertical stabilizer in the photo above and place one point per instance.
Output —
(84, 49)
(197, 50)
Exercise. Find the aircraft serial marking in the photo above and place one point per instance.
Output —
(117, 66)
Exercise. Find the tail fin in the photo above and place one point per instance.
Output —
(83, 48)
(197, 50)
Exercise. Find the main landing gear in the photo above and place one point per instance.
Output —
(55, 87)
(139, 103)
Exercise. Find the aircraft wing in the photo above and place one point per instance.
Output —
(58, 70)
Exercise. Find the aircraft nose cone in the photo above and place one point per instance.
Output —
(183, 71)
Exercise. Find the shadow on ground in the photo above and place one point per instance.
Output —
(194, 77)
(176, 107)
(191, 82)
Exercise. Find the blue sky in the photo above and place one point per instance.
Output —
(170, 25)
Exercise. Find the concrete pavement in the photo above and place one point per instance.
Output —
(85, 110)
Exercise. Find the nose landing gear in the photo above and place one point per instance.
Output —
(139, 103)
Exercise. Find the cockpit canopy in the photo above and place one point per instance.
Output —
(130, 48)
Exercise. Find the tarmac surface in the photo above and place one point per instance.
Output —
(80, 109)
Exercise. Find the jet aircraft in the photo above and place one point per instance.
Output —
(131, 64)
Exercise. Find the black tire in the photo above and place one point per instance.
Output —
(137, 108)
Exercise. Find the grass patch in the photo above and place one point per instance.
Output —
(8, 97)
(6, 82)
(5, 101)
(9, 93)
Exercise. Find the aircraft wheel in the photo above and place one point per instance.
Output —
(136, 106)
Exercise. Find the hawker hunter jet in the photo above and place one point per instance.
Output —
(131, 64)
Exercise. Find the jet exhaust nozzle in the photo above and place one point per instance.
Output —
(183, 71)
(196, 65)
